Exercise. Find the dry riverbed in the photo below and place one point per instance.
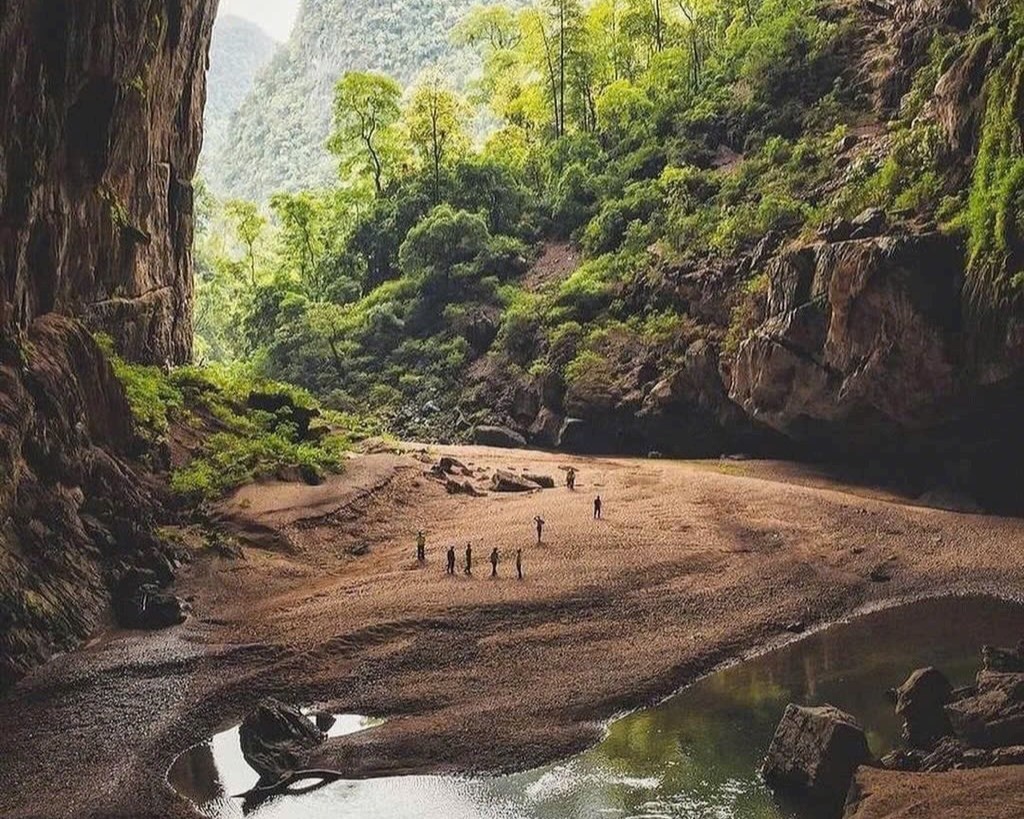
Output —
(694, 564)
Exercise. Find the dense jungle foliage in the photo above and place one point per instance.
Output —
(658, 137)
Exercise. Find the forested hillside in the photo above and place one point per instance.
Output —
(239, 51)
(792, 216)
(278, 140)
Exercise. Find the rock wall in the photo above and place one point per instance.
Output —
(101, 103)
(100, 129)
(859, 334)
(73, 516)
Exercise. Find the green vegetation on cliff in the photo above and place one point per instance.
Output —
(676, 146)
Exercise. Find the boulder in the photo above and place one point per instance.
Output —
(449, 465)
(324, 721)
(838, 230)
(455, 487)
(503, 481)
(502, 437)
(814, 754)
(994, 716)
(545, 428)
(141, 603)
(543, 481)
(575, 436)
(920, 704)
(276, 738)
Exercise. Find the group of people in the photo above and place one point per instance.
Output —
(495, 558)
(468, 566)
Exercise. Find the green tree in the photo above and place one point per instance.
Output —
(249, 225)
(434, 118)
(366, 110)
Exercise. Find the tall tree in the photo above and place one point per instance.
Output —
(435, 117)
(248, 224)
(366, 109)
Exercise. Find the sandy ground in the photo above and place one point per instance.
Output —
(694, 564)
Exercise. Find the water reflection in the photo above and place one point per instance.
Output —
(694, 756)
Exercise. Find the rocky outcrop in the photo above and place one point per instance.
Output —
(814, 754)
(74, 519)
(994, 716)
(863, 351)
(102, 105)
(276, 738)
(859, 337)
(502, 437)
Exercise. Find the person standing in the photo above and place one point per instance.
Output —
(469, 558)
(421, 547)
(494, 562)
(451, 560)
(570, 479)
(519, 563)
(540, 528)
(597, 508)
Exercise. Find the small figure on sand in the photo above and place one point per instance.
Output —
(519, 563)
(597, 508)
(451, 560)
(421, 547)
(469, 558)
(494, 562)
(570, 479)
(540, 528)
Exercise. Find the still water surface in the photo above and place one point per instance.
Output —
(695, 756)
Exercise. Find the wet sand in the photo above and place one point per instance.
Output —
(694, 565)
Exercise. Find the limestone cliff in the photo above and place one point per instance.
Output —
(101, 110)
(101, 103)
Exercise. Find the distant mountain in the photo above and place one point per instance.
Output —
(276, 139)
(239, 51)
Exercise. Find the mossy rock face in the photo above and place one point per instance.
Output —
(77, 515)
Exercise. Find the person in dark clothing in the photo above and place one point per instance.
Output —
(519, 563)
(570, 479)
(451, 560)
(597, 508)
(421, 547)
(540, 528)
(494, 562)
(469, 558)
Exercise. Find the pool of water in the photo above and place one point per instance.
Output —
(695, 756)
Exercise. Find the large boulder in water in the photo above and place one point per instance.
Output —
(814, 754)
(276, 739)
(502, 437)
(994, 716)
(920, 703)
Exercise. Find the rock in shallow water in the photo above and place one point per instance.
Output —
(994, 716)
(814, 754)
(276, 738)
(920, 703)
